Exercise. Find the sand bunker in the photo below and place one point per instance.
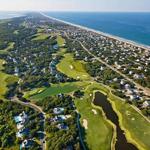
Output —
(85, 124)
(94, 111)
(71, 67)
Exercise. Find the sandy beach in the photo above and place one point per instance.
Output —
(101, 33)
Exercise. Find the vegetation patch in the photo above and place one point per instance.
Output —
(57, 89)
(5, 80)
(73, 68)
(136, 127)
(99, 133)
(40, 36)
(9, 47)
(60, 41)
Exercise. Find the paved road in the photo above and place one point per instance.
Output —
(36, 108)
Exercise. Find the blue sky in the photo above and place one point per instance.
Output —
(75, 5)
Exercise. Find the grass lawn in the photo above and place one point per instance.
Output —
(136, 126)
(28, 94)
(60, 41)
(5, 79)
(5, 21)
(99, 134)
(57, 89)
(39, 30)
(40, 36)
(3, 83)
(73, 68)
(61, 52)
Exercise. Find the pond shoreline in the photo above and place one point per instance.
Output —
(122, 142)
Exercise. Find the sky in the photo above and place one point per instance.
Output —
(76, 5)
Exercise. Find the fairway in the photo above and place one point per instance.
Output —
(136, 127)
(9, 47)
(5, 79)
(57, 89)
(3, 84)
(99, 134)
(40, 36)
(60, 41)
(73, 68)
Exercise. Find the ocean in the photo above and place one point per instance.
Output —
(8, 15)
(131, 26)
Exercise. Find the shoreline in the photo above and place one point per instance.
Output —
(146, 47)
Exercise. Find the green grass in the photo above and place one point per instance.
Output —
(61, 52)
(16, 32)
(39, 30)
(4, 21)
(136, 127)
(73, 68)
(99, 134)
(5, 79)
(57, 89)
(10, 46)
(60, 41)
(40, 36)
(28, 94)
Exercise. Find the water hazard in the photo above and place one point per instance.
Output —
(121, 143)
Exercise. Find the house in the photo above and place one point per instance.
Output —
(146, 104)
(127, 86)
(20, 120)
(21, 132)
(21, 117)
(55, 47)
(20, 126)
(26, 144)
(16, 71)
(58, 110)
(59, 118)
(62, 126)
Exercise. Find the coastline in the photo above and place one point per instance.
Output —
(101, 33)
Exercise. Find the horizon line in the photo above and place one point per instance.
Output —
(75, 11)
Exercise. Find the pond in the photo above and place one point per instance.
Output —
(121, 143)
